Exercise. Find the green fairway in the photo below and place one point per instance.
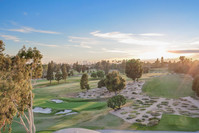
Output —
(169, 86)
(172, 123)
(94, 114)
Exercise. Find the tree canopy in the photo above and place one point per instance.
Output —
(114, 82)
(16, 95)
(133, 69)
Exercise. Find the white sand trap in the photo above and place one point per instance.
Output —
(72, 113)
(41, 110)
(64, 112)
(76, 130)
(57, 101)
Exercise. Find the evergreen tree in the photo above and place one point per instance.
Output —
(50, 70)
(64, 72)
(84, 82)
(133, 69)
(58, 75)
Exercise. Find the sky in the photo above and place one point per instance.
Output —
(92, 30)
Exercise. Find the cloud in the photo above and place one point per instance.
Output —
(30, 30)
(114, 51)
(128, 38)
(83, 42)
(191, 51)
(152, 34)
(41, 44)
(9, 37)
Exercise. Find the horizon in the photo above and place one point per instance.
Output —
(71, 31)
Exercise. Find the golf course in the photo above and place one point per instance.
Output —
(94, 113)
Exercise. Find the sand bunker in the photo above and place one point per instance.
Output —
(57, 101)
(41, 110)
(64, 112)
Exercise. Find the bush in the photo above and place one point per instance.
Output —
(84, 82)
(116, 102)
(114, 82)
(100, 74)
(101, 83)
(93, 75)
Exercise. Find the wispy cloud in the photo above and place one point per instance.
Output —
(152, 34)
(30, 30)
(129, 38)
(83, 42)
(41, 44)
(9, 37)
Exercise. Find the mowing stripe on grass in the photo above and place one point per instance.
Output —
(84, 106)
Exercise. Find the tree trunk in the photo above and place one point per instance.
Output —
(115, 93)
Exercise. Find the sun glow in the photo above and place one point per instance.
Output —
(157, 53)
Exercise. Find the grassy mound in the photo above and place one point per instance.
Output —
(169, 86)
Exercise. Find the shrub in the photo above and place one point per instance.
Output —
(93, 75)
(100, 74)
(114, 82)
(101, 83)
(116, 102)
(84, 82)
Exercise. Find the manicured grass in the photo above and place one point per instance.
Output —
(172, 123)
(93, 113)
(77, 106)
(105, 121)
(169, 86)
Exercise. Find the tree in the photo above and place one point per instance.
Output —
(100, 74)
(33, 63)
(64, 72)
(50, 71)
(84, 68)
(58, 76)
(93, 75)
(195, 85)
(116, 102)
(101, 83)
(77, 67)
(105, 66)
(71, 73)
(84, 82)
(133, 69)
(16, 87)
(157, 63)
(162, 61)
(114, 82)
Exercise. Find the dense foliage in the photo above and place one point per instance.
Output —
(16, 95)
(101, 83)
(134, 69)
(114, 82)
(116, 102)
(94, 75)
(100, 74)
(84, 82)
